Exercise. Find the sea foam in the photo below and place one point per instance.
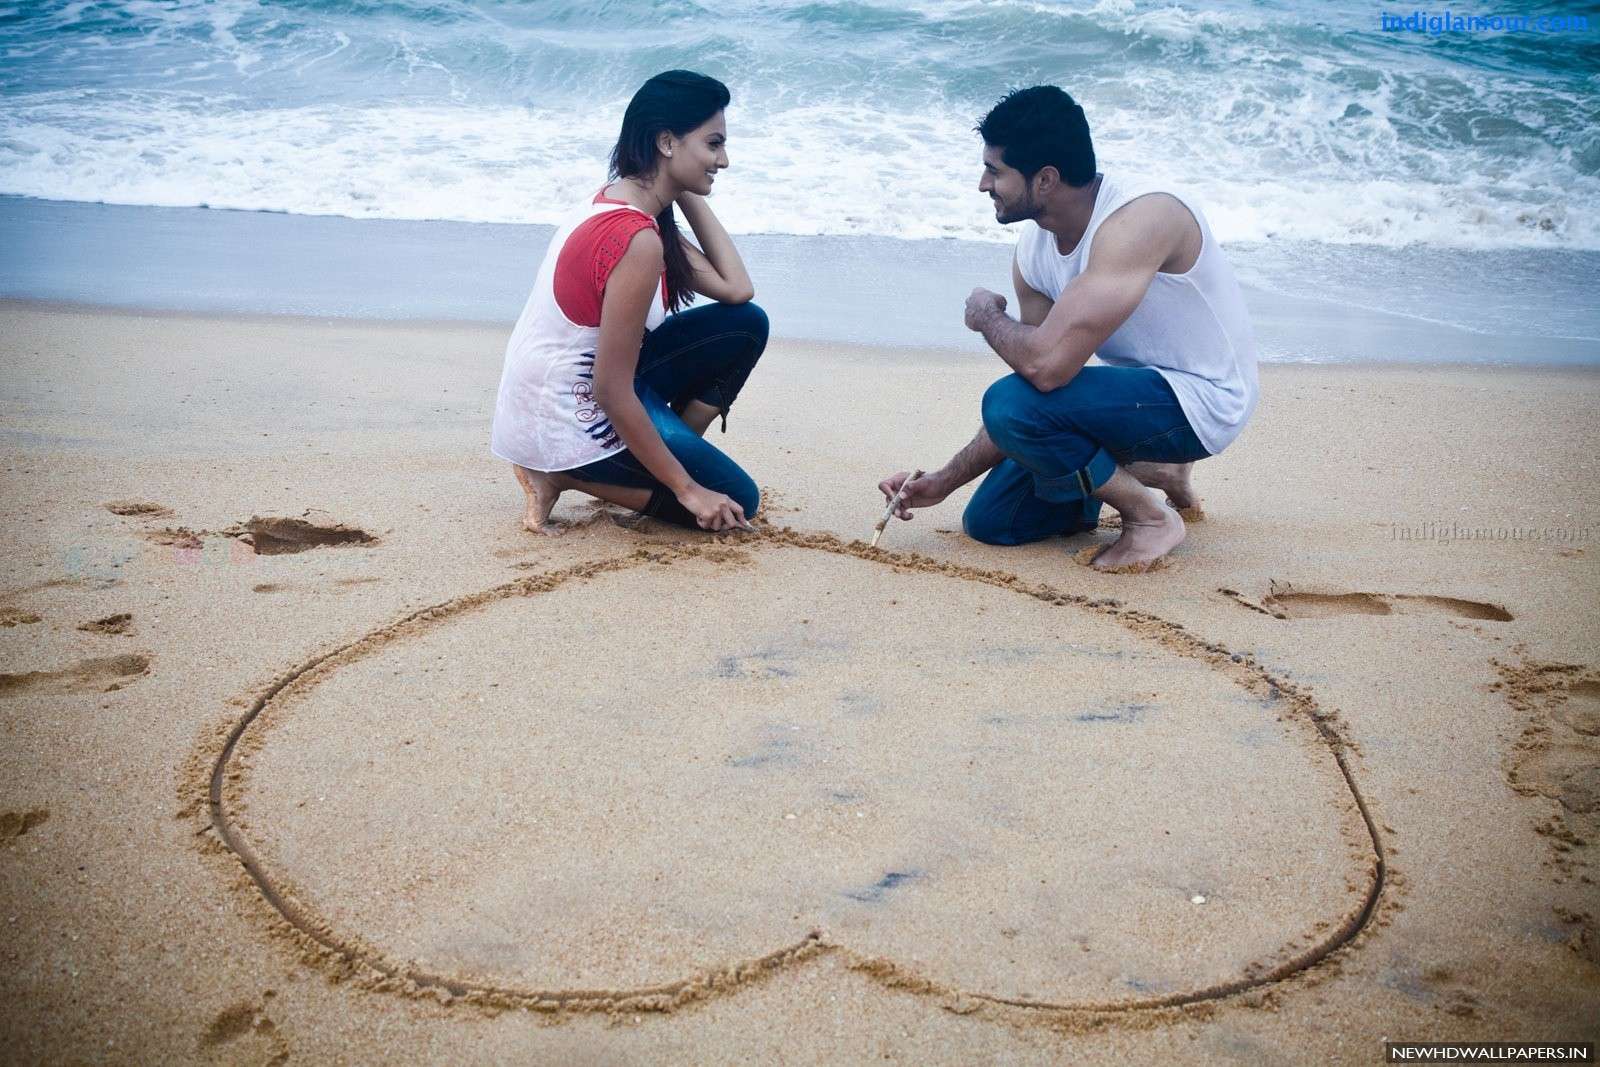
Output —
(1301, 122)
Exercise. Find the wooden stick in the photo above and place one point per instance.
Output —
(894, 502)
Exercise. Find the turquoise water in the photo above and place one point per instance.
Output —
(1291, 122)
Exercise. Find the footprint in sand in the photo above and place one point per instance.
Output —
(246, 1020)
(1559, 757)
(120, 623)
(274, 536)
(1284, 601)
(90, 676)
(1436, 986)
(176, 537)
(1581, 712)
(13, 824)
(143, 509)
(339, 585)
(1585, 936)
(17, 617)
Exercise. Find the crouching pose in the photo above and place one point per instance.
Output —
(608, 386)
(1132, 274)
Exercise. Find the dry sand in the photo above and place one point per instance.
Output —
(634, 794)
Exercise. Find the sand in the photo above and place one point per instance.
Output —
(1329, 777)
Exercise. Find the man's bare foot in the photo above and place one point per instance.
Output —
(1143, 541)
(542, 492)
(1171, 479)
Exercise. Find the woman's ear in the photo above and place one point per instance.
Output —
(665, 142)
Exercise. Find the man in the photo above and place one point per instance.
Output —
(1101, 267)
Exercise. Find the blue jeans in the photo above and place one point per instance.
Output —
(1062, 445)
(703, 354)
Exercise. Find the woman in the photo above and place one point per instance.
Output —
(583, 403)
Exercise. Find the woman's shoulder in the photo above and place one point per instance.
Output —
(610, 233)
(590, 254)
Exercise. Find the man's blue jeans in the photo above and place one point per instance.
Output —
(703, 354)
(1062, 445)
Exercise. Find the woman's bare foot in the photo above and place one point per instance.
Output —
(1143, 541)
(542, 492)
(1172, 479)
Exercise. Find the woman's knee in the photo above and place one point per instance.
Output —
(746, 494)
(754, 321)
(748, 318)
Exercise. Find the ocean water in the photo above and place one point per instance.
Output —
(1293, 121)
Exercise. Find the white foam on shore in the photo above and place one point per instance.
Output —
(1299, 124)
(816, 169)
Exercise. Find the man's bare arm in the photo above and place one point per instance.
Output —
(979, 455)
(1129, 248)
(1032, 305)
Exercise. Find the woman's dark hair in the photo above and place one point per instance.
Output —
(675, 101)
(1041, 127)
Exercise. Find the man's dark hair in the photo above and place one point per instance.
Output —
(1041, 127)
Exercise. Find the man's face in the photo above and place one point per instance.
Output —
(1011, 192)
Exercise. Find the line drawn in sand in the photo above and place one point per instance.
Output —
(216, 776)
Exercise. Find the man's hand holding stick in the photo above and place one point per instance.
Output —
(894, 502)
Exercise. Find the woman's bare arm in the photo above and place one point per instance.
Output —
(634, 283)
(718, 271)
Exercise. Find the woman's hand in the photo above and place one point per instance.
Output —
(712, 510)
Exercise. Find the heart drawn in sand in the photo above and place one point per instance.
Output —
(632, 784)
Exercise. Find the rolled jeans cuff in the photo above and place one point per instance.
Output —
(1076, 484)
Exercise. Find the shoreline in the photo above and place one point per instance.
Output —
(1324, 305)
(874, 351)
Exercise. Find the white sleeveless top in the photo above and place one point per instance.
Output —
(546, 417)
(1193, 328)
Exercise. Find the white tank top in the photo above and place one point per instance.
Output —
(545, 416)
(1193, 328)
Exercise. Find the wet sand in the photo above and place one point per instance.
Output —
(1330, 777)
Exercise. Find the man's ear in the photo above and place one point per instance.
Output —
(1047, 181)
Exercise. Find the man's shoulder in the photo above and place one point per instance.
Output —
(1150, 217)
(1152, 202)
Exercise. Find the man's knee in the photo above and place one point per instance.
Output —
(1008, 407)
(983, 524)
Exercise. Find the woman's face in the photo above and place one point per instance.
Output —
(698, 155)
